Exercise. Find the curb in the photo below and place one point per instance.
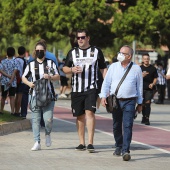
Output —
(17, 126)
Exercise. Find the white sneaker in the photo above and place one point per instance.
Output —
(63, 95)
(36, 147)
(97, 111)
(60, 96)
(48, 140)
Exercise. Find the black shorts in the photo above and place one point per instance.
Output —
(11, 90)
(81, 101)
(147, 95)
(20, 88)
(63, 81)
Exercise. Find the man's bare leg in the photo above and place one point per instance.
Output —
(90, 123)
(2, 103)
(81, 128)
(12, 103)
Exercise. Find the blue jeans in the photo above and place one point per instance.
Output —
(124, 114)
(48, 119)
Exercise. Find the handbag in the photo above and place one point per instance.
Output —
(112, 102)
(43, 95)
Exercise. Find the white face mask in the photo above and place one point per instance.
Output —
(120, 57)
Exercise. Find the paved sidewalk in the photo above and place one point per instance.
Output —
(16, 154)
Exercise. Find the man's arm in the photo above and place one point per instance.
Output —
(167, 77)
(5, 74)
(103, 71)
(67, 69)
(13, 76)
(153, 84)
(168, 74)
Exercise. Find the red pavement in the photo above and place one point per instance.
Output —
(144, 134)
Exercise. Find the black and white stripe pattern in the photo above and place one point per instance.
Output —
(161, 79)
(36, 70)
(89, 60)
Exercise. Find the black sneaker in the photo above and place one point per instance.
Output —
(147, 121)
(126, 156)
(16, 114)
(90, 148)
(23, 117)
(80, 148)
(117, 151)
(143, 120)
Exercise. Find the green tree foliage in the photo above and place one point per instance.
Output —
(136, 23)
(146, 21)
(55, 19)
(163, 26)
(68, 16)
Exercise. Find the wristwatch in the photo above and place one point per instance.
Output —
(140, 104)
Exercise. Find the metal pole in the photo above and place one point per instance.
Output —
(134, 50)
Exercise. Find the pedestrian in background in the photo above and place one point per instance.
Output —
(83, 62)
(150, 76)
(8, 69)
(63, 80)
(20, 85)
(161, 83)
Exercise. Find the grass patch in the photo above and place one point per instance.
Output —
(7, 117)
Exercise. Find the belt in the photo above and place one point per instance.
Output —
(124, 99)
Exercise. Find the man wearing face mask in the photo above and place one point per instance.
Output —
(129, 94)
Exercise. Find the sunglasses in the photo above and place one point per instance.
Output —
(39, 50)
(82, 37)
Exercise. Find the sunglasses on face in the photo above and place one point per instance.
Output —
(82, 37)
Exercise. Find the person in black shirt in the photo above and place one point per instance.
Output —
(149, 81)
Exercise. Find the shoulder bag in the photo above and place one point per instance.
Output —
(112, 103)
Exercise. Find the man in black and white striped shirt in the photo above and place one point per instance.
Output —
(83, 62)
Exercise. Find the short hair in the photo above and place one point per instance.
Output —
(21, 50)
(130, 49)
(145, 54)
(160, 64)
(10, 51)
(83, 30)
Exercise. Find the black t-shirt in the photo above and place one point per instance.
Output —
(148, 79)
